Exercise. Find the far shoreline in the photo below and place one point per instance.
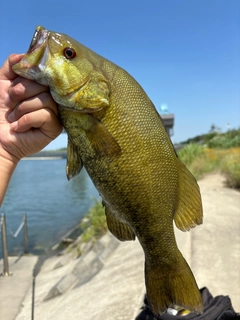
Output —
(48, 155)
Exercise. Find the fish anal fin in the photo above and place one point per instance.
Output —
(119, 229)
(74, 161)
(101, 139)
(189, 212)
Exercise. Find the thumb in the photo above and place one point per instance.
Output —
(6, 72)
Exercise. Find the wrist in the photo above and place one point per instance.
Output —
(7, 165)
(7, 168)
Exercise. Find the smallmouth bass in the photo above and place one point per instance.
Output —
(115, 132)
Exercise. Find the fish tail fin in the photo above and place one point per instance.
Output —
(169, 287)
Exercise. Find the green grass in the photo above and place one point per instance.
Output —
(94, 224)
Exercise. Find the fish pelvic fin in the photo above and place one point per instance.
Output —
(167, 287)
(74, 161)
(189, 212)
(119, 229)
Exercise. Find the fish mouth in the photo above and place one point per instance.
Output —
(39, 37)
(30, 65)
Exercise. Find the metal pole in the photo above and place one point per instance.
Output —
(33, 297)
(25, 233)
(4, 247)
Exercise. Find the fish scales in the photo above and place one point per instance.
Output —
(131, 142)
(115, 132)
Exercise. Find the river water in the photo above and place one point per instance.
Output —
(53, 204)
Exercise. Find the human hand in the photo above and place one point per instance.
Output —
(28, 114)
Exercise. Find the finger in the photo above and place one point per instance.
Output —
(22, 89)
(43, 100)
(6, 70)
(44, 119)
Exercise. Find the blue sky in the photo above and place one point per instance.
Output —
(184, 53)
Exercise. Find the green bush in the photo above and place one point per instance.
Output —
(231, 169)
(226, 140)
(215, 139)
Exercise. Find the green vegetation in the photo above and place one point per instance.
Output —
(230, 139)
(214, 152)
(199, 160)
(216, 139)
(230, 166)
(94, 225)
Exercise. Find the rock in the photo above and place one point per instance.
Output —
(66, 283)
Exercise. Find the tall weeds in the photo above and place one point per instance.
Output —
(201, 160)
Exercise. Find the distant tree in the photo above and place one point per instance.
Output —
(214, 128)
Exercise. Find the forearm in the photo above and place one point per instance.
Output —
(6, 170)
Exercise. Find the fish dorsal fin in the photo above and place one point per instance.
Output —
(189, 212)
(74, 161)
(100, 138)
(119, 229)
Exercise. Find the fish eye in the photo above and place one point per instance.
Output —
(69, 53)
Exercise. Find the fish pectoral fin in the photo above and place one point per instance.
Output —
(119, 229)
(74, 161)
(101, 139)
(189, 211)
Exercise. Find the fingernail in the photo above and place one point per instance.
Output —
(11, 117)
